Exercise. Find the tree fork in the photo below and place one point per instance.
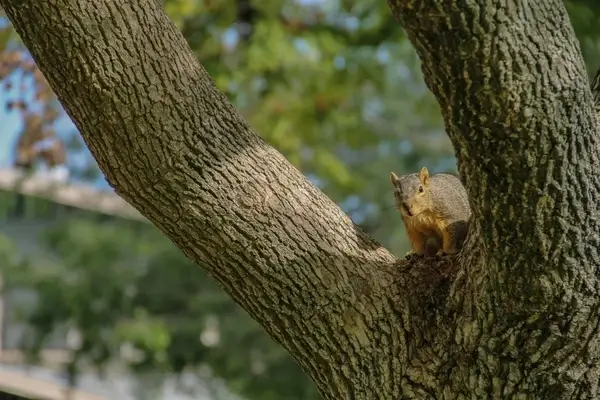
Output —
(515, 315)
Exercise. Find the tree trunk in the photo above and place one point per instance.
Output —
(515, 315)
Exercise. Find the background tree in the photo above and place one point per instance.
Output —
(364, 149)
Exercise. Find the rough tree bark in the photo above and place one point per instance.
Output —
(515, 315)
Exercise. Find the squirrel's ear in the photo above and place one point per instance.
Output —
(393, 178)
(424, 176)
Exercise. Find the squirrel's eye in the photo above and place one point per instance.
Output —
(420, 189)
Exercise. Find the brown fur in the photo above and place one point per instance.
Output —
(435, 211)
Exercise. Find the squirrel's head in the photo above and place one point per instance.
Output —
(412, 192)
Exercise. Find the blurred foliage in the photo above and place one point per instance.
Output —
(132, 297)
(334, 85)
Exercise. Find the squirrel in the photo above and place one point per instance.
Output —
(435, 211)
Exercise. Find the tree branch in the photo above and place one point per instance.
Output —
(513, 90)
(173, 147)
